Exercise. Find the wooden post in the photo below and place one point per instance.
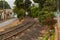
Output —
(58, 20)
(56, 32)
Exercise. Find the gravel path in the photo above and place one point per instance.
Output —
(7, 22)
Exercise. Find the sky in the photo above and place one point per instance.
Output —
(11, 2)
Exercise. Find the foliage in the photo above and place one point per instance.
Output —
(21, 4)
(20, 13)
(41, 3)
(46, 18)
(27, 4)
(49, 5)
(34, 11)
(45, 11)
(46, 14)
(46, 37)
(52, 37)
(6, 5)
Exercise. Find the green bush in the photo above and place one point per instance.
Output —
(34, 11)
(46, 18)
(20, 13)
(52, 37)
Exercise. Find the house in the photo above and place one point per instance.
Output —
(6, 14)
(5, 11)
(9, 13)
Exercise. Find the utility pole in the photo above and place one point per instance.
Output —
(3, 9)
(58, 19)
(3, 4)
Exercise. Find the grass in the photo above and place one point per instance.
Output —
(52, 37)
(46, 37)
(43, 38)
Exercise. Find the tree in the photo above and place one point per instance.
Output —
(27, 4)
(34, 11)
(6, 5)
(41, 3)
(46, 18)
(20, 13)
(21, 4)
(46, 14)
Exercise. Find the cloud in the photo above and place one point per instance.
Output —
(32, 1)
(10, 2)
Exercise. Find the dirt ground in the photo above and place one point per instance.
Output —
(13, 24)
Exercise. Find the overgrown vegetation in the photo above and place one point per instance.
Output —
(44, 12)
(20, 4)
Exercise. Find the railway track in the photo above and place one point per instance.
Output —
(20, 28)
